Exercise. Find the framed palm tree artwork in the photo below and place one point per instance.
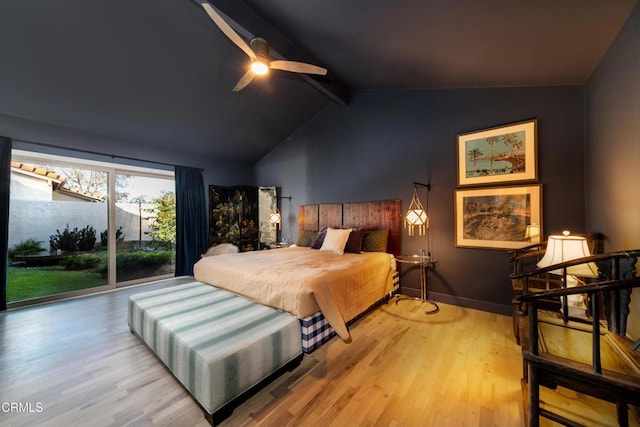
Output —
(502, 154)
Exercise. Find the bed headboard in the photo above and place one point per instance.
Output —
(370, 215)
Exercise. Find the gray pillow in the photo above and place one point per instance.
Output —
(375, 240)
(306, 237)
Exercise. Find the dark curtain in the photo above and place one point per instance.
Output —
(191, 219)
(5, 183)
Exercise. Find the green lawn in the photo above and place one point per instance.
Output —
(34, 282)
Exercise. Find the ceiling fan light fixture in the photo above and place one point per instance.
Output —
(259, 67)
(258, 51)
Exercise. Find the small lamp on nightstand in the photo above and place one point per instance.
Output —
(275, 217)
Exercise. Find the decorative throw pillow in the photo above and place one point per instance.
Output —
(375, 240)
(335, 240)
(317, 243)
(354, 243)
(306, 237)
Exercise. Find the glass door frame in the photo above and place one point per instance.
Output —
(111, 169)
(113, 227)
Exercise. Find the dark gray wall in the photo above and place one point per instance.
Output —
(613, 140)
(216, 171)
(384, 140)
(613, 147)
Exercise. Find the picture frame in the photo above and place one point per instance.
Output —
(508, 217)
(502, 154)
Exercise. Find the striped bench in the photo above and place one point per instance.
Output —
(220, 346)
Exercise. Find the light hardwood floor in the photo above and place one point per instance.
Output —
(77, 359)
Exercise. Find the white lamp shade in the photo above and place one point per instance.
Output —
(567, 248)
(416, 217)
(274, 217)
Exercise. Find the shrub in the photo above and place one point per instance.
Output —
(26, 247)
(104, 239)
(86, 238)
(142, 259)
(73, 240)
(139, 260)
(80, 262)
(161, 245)
(65, 241)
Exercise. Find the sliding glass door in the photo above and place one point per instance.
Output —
(145, 227)
(57, 215)
(78, 226)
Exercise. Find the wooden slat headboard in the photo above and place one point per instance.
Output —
(370, 215)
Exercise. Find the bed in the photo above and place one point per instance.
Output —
(323, 289)
(238, 324)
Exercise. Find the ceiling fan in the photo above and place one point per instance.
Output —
(258, 51)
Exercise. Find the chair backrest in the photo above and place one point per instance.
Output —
(612, 267)
(222, 248)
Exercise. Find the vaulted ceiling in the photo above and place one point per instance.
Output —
(160, 73)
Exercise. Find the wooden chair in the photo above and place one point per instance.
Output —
(603, 364)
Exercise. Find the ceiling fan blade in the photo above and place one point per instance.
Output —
(297, 67)
(244, 81)
(226, 29)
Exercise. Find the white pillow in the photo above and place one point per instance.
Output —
(335, 240)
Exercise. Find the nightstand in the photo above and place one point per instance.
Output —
(425, 263)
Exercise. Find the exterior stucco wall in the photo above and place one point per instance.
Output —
(36, 219)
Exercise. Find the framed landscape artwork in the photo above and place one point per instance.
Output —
(497, 217)
(498, 155)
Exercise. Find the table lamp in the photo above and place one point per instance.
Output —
(566, 248)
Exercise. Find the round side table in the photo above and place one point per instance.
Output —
(425, 263)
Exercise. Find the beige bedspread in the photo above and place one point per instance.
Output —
(303, 281)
